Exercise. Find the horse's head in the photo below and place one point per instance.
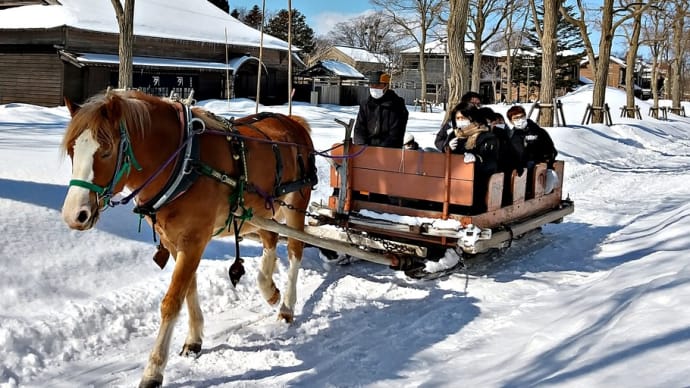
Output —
(98, 144)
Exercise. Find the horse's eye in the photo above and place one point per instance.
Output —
(106, 154)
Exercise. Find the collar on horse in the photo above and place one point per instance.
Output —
(183, 176)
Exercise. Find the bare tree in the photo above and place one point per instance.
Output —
(125, 21)
(512, 37)
(372, 32)
(483, 12)
(654, 32)
(633, 38)
(417, 19)
(547, 38)
(458, 80)
(678, 47)
(611, 19)
(490, 70)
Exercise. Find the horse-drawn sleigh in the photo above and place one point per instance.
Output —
(193, 175)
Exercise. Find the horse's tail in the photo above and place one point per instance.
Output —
(303, 122)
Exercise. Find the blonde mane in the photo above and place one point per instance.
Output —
(103, 113)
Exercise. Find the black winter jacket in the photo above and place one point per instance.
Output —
(382, 122)
(533, 145)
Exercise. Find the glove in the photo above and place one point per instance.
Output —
(469, 158)
(453, 144)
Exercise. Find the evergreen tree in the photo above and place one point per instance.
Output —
(569, 48)
(302, 34)
(222, 4)
(253, 18)
(235, 13)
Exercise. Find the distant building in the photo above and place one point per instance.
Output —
(362, 60)
(331, 82)
(437, 70)
(55, 48)
(616, 76)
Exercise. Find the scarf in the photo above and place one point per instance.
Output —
(471, 132)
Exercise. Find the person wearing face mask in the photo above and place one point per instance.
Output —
(531, 142)
(507, 156)
(467, 132)
(382, 118)
(456, 119)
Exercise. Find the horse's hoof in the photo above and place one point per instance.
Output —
(286, 315)
(275, 298)
(152, 383)
(191, 350)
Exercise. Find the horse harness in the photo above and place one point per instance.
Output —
(189, 167)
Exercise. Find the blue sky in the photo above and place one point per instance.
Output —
(321, 14)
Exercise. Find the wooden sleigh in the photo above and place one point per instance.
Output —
(376, 191)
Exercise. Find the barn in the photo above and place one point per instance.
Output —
(50, 49)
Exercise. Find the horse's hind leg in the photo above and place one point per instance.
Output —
(295, 248)
(267, 287)
(287, 308)
(192, 345)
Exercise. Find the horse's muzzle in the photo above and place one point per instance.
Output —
(81, 214)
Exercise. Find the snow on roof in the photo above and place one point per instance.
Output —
(534, 52)
(333, 68)
(92, 58)
(439, 47)
(197, 20)
(360, 54)
(611, 58)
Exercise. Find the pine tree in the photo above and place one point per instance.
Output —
(253, 18)
(302, 34)
(569, 48)
(222, 4)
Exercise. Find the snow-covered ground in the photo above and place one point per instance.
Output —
(598, 300)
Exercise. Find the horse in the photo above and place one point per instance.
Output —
(192, 175)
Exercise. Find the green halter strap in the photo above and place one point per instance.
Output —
(125, 161)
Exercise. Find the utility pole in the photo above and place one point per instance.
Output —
(527, 66)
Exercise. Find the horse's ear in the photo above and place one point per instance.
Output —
(112, 109)
(71, 106)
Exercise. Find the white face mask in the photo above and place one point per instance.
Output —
(520, 123)
(500, 125)
(376, 93)
(462, 123)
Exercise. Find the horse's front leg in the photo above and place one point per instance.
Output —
(192, 345)
(186, 263)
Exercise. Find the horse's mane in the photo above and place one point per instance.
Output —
(103, 112)
(302, 121)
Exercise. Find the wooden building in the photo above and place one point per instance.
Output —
(616, 76)
(69, 48)
(409, 81)
(362, 60)
(332, 82)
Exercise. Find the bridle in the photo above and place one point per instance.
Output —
(125, 161)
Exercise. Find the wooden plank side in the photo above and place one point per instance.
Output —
(411, 186)
(519, 187)
(539, 179)
(416, 162)
(494, 194)
(558, 167)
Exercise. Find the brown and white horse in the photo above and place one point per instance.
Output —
(127, 139)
